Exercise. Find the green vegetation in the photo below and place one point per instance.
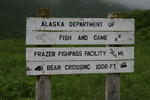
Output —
(13, 82)
(15, 85)
(142, 24)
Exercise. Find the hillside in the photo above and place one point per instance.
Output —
(13, 13)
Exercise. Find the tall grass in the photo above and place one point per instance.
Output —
(15, 85)
(13, 81)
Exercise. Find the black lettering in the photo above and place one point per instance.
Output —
(95, 53)
(100, 37)
(120, 53)
(52, 24)
(83, 37)
(77, 67)
(44, 54)
(35, 54)
(102, 66)
(43, 23)
(53, 67)
(105, 66)
(62, 24)
(85, 24)
(113, 66)
(69, 53)
(39, 53)
(65, 37)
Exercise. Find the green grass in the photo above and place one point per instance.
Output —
(13, 81)
(15, 85)
(136, 86)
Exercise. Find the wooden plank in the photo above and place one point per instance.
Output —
(79, 67)
(46, 38)
(80, 24)
(43, 86)
(113, 86)
(79, 53)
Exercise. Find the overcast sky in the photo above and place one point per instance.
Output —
(140, 4)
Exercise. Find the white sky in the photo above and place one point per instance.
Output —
(140, 4)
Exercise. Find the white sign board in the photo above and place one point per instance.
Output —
(79, 67)
(45, 38)
(80, 24)
(79, 31)
(79, 53)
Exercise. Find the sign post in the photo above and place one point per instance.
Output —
(113, 79)
(113, 86)
(46, 60)
(43, 83)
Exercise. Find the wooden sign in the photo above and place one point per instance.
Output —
(79, 38)
(80, 24)
(79, 31)
(79, 67)
(79, 53)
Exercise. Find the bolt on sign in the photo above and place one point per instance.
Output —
(79, 31)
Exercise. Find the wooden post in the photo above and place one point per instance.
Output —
(113, 80)
(43, 86)
(43, 83)
(113, 86)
